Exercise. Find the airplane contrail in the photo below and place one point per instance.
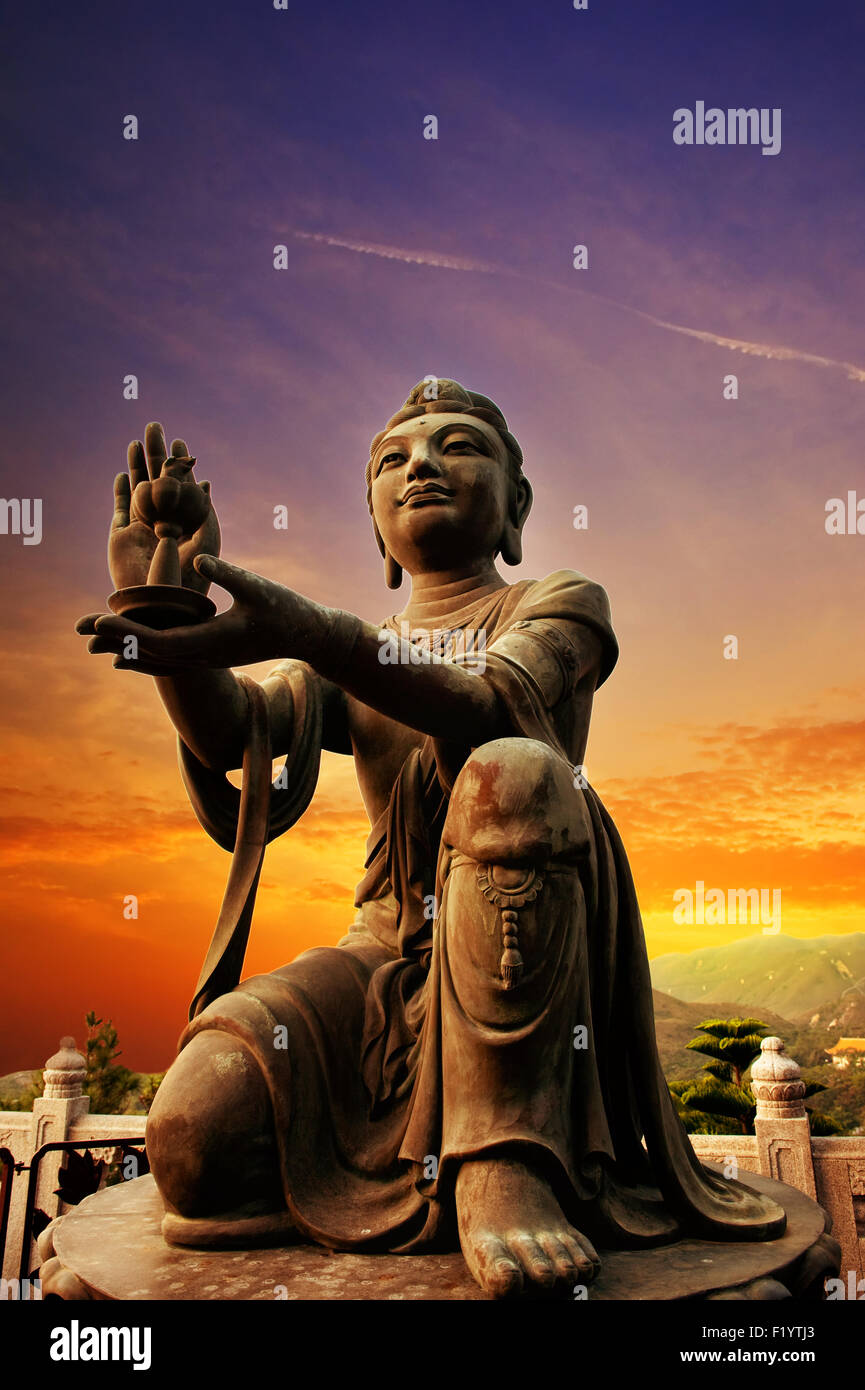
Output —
(396, 253)
(466, 264)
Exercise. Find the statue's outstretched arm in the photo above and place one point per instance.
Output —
(435, 697)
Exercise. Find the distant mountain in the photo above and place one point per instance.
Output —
(844, 1015)
(15, 1083)
(794, 976)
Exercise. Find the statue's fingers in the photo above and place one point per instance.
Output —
(137, 463)
(208, 532)
(177, 644)
(231, 577)
(122, 498)
(179, 449)
(154, 447)
(103, 644)
(88, 623)
(147, 667)
(206, 540)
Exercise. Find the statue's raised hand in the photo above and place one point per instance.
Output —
(132, 539)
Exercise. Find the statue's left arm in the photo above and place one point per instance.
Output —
(455, 701)
(559, 639)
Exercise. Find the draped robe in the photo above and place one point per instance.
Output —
(387, 1083)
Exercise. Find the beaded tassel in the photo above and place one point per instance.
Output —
(519, 886)
(511, 964)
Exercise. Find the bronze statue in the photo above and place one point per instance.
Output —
(476, 1058)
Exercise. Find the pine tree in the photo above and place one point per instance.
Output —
(721, 1095)
(732, 1045)
(108, 1085)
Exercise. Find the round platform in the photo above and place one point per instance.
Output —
(111, 1247)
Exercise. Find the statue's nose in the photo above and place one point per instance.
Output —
(423, 465)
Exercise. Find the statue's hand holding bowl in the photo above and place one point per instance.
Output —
(265, 621)
(163, 520)
(173, 506)
(158, 507)
(164, 493)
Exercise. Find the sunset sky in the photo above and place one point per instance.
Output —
(450, 257)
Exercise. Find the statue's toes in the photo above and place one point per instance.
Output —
(569, 1265)
(534, 1260)
(583, 1253)
(496, 1269)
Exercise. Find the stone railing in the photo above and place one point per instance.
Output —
(63, 1112)
(832, 1170)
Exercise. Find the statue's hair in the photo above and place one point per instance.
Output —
(451, 398)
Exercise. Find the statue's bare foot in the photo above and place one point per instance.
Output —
(513, 1232)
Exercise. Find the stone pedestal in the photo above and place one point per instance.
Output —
(111, 1248)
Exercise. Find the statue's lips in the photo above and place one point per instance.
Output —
(431, 495)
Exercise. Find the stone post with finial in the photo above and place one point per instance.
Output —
(65, 1074)
(781, 1123)
(64, 1101)
(56, 1115)
(62, 1106)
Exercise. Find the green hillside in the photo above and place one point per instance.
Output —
(15, 1083)
(791, 976)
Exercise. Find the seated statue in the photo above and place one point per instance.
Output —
(475, 1061)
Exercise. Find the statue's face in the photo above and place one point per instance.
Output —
(440, 491)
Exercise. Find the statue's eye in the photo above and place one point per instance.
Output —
(391, 458)
(459, 445)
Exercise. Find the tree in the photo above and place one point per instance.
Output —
(695, 1121)
(113, 1089)
(108, 1085)
(820, 1122)
(147, 1087)
(843, 1100)
(721, 1096)
(731, 1045)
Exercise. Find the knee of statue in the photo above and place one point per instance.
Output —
(516, 830)
(210, 1132)
(515, 801)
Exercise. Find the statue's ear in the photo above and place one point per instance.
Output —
(519, 506)
(392, 571)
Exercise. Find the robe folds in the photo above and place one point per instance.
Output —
(391, 1075)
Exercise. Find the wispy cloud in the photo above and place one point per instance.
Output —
(781, 354)
(771, 351)
(399, 253)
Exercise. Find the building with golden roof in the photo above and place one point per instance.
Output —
(848, 1052)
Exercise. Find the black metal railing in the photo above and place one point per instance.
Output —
(9, 1169)
(85, 1184)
